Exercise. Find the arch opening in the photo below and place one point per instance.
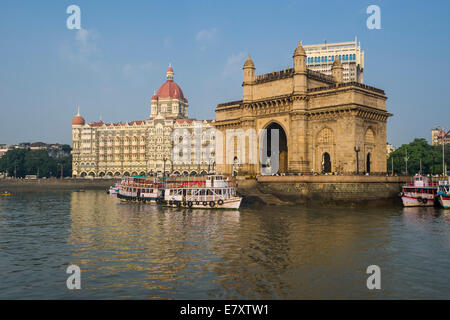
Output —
(326, 162)
(274, 152)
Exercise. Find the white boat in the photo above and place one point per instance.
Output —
(420, 193)
(140, 189)
(209, 192)
(114, 190)
(443, 193)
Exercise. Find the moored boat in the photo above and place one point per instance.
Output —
(140, 189)
(114, 190)
(420, 193)
(208, 192)
(443, 193)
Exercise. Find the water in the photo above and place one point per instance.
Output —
(148, 252)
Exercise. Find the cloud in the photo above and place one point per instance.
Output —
(206, 35)
(234, 64)
(83, 50)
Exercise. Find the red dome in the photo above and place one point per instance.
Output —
(78, 121)
(170, 89)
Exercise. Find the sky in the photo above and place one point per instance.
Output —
(114, 63)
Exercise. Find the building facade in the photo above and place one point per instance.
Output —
(389, 149)
(439, 136)
(324, 124)
(167, 142)
(320, 57)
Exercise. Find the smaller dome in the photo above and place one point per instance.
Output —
(300, 51)
(249, 63)
(337, 64)
(78, 121)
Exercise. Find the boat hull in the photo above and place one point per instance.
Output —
(229, 204)
(414, 202)
(444, 200)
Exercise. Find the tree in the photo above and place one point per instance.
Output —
(34, 162)
(12, 162)
(418, 150)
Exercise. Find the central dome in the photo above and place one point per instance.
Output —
(169, 89)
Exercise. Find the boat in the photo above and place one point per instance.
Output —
(114, 190)
(206, 192)
(443, 193)
(421, 192)
(140, 189)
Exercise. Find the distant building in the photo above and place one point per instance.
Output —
(320, 57)
(54, 150)
(389, 149)
(438, 136)
(4, 149)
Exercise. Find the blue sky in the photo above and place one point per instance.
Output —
(112, 67)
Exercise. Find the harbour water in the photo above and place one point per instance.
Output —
(132, 251)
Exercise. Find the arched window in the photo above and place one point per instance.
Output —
(370, 136)
(325, 136)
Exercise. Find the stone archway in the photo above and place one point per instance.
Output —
(326, 162)
(279, 154)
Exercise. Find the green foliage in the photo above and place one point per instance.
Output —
(34, 162)
(417, 150)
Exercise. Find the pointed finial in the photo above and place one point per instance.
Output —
(78, 111)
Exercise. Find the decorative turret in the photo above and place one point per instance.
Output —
(249, 70)
(299, 58)
(337, 71)
(249, 77)
(169, 74)
(300, 76)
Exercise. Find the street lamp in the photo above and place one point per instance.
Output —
(357, 150)
(164, 172)
(443, 149)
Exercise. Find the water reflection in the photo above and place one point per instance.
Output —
(143, 251)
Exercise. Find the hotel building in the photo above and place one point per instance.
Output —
(146, 147)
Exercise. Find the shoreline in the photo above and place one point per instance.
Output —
(350, 191)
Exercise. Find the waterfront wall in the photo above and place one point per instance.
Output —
(322, 190)
(55, 184)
